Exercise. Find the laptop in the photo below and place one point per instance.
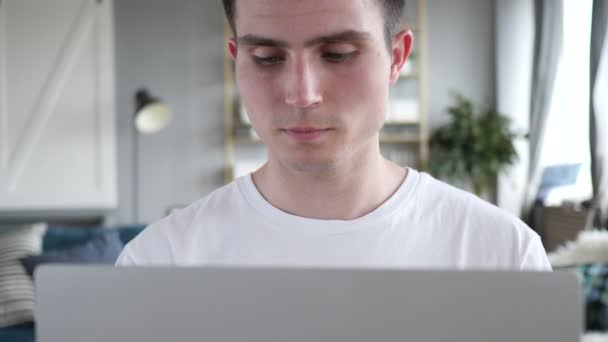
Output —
(154, 304)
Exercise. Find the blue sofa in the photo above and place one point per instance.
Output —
(57, 238)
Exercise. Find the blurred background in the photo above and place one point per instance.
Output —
(113, 113)
(71, 70)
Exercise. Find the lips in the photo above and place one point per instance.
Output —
(306, 134)
(305, 129)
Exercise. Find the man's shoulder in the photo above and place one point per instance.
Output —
(160, 241)
(219, 200)
(454, 202)
(435, 189)
(491, 233)
(456, 208)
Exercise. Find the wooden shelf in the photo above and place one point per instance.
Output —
(399, 139)
(409, 76)
(401, 123)
(413, 28)
(238, 124)
(243, 140)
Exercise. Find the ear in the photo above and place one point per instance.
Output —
(402, 46)
(232, 48)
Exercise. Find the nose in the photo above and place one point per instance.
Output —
(303, 89)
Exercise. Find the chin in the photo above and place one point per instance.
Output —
(311, 166)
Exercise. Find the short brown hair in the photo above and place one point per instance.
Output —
(393, 10)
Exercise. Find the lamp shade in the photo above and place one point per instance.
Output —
(151, 115)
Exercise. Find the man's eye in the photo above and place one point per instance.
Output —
(334, 57)
(271, 60)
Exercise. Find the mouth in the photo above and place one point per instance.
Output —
(306, 134)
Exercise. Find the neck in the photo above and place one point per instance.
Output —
(350, 190)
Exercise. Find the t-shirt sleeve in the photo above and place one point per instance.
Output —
(535, 258)
(125, 258)
(152, 247)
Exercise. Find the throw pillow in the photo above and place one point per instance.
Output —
(128, 233)
(16, 287)
(58, 237)
(102, 249)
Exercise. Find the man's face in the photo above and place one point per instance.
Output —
(314, 76)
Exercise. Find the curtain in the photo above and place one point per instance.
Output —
(548, 43)
(598, 111)
(514, 27)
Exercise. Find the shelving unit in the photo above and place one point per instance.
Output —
(229, 109)
(404, 141)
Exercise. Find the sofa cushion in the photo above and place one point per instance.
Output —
(102, 249)
(64, 237)
(128, 233)
(18, 333)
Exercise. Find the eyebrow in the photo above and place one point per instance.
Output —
(348, 36)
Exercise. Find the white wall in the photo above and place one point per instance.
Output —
(174, 48)
(460, 53)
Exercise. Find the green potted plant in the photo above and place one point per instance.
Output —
(474, 146)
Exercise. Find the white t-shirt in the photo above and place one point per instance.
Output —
(425, 224)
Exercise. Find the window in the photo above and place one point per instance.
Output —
(566, 140)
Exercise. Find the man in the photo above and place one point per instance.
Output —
(314, 76)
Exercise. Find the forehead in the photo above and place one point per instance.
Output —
(299, 20)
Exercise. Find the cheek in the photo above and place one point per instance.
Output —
(362, 87)
(257, 92)
(363, 92)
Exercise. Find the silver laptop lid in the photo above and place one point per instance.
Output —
(95, 304)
